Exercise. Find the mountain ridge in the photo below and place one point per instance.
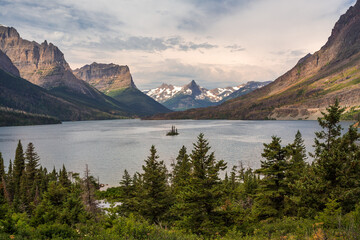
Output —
(308, 88)
(193, 95)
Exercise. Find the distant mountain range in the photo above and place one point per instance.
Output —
(315, 82)
(193, 96)
(44, 65)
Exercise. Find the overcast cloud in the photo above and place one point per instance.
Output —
(215, 42)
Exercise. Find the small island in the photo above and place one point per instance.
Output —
(173, 131)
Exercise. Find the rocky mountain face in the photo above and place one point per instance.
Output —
(106, 77)
(316, 81)
(193, 96)
(42, 64)
(116, 81)
(7, 65)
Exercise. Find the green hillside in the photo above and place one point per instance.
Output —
(137, 102)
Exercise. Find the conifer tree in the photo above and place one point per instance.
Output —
(32, 162)
(32, 171)
(128, 194)
(2, 176)
(326, 145)
(2, 168)
(201, 199)
(297, 155)
(154, 201)
(271, 193)
(19, 166)
(181, 171)
(64, 178)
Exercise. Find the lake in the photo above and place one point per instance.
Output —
(109, 147)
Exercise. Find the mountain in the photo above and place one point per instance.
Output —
(315, 82)
(106, 77)
(194, 96)
(162, 93)
(117, 82)
(245, 89)
(44, 65)
(7, 65)
(190, 96)
(18, 95)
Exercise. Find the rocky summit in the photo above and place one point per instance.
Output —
(116, 81)
(106, 77)
(42, 64)
(316, 81)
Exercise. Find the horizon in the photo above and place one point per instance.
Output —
(181, 41)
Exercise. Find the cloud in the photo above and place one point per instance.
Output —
(235, 48)
(204, 13)
(150, 44)
(180, 40)
(174, 71)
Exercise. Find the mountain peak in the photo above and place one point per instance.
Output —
(106, 77)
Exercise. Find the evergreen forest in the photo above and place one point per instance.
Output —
(293, 195)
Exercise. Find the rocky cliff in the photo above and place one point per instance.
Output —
(316, 81)
(42, 64)
(106, 77)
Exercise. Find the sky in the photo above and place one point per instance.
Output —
(217, 43)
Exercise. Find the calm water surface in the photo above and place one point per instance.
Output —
(109, 147)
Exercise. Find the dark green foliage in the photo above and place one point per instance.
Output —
(137, 102)
(10, 117)
(199, 201)
(273, 187)
(173, 132)
(18, 168)
(181, 171)
(154, 200)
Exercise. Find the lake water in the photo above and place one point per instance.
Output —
(109, 147)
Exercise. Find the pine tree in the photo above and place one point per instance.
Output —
(326, 145)
(273, 188)
(19, 167)
(199, 204)
(181, 171)
(297, 154)
(64, 178)
(154, 201)
(128, 194)
(32, 162)
(32, 171)
(2, 168)
(2, 176)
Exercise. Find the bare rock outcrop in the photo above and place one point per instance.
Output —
(106, 77)
(42, 64)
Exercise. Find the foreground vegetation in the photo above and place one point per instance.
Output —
(286, 198)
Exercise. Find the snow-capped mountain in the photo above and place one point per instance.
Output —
(194, 96)
(163, 93)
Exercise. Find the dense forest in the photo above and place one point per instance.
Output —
(288, 197)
